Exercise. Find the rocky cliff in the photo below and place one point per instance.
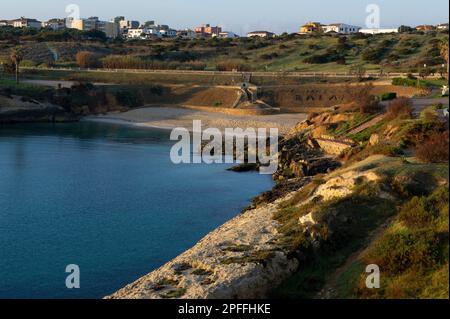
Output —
(15, 109)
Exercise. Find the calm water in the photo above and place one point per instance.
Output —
(106, 198)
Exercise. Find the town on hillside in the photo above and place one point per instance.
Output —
(132, 29)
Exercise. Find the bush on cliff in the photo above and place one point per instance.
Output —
(413, 253)
(435, 149)
(399, 108)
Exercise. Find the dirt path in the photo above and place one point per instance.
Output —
(330, 288)
(366, 125)
(421, 103)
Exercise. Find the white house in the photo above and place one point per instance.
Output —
(341, 28)
(227, 35)
(168, 33)
(260, 34)
(378, 31)
(26, 23)
(442, 26)
(136, 33)
(54, 24)
(144, 33)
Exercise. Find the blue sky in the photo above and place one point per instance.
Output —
(239, 15)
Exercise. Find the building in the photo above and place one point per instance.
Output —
(442, 27)
(55, 24)
(208, 30)
(26, 23)
(137, 33)
(111, 29)
(145, 33)
(124, 25)
(168, 33)
(378, 31)
(227, 35)
(261, 34)
(84, 24)
(425, 28)
(4, 23)
(311, 27)
(187, 34)
(340, 28)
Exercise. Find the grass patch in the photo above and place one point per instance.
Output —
(175, 294)
(238, 248)
(257, 257)
(202, 272)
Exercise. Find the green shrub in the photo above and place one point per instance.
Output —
(398, 252)
(388, 96)
(417, 213)
(409, 82)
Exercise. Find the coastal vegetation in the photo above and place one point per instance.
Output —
(364, 180)
(403, 52)
(387, 205)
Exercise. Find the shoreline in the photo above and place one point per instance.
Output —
(254, 228)
(169, 118)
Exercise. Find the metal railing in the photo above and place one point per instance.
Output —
(232, 73)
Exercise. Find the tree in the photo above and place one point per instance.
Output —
(400, 108)
(405, 29)
(16, 57)
(359, 72)
(87, 59)
(363, 98)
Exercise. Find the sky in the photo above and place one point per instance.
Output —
(239, 16)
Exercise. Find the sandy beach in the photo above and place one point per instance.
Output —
(173, 117)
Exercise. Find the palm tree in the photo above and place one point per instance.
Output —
(444, 52)
(16, 57)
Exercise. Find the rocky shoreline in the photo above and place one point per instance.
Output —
(231, 262)
(15, 109)
(242, 258)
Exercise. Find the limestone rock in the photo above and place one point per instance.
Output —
(374, 139)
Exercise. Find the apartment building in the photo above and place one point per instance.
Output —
(208, 30)
(111, 29)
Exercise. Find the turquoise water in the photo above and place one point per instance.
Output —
(106, 198)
